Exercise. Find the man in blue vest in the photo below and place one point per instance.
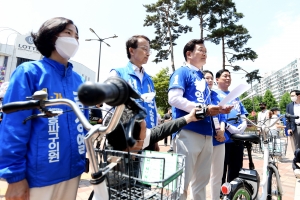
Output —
(138, 52)
(188, 89)
(233, 150)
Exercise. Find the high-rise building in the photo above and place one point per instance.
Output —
(279, 82)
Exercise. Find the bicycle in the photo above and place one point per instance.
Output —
(112, 174)
(246, 186)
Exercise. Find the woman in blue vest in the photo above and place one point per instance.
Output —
(44, 158)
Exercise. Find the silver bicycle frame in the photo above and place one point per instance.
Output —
(267, 162)
(100, 190)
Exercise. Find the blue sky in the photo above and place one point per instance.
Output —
(273, 24)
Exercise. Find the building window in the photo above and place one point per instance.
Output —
(22, 60)
(5, 61)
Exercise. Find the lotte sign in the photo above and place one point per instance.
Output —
(25, 48)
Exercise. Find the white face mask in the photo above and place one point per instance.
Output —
(294, 99)
(66, 47)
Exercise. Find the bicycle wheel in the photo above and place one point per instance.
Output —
(242, 192)
(273, 189)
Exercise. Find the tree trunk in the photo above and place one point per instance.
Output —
(201, 27)
(223, 46)
(172, 56)
(171, 45)
(223, 53)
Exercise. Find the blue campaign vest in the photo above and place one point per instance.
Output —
(195, 89)
(45, 151)
(237, 109)
(145, 86)
(221, 118)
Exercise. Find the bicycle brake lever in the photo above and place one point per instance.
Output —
(45, 114)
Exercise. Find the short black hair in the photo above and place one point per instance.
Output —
(220, 72)
(133, 43)
(45, 38)
(262, 103)
(190, 46)
(275, 109)
(296, 91)
(207, 71)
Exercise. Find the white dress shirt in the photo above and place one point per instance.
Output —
(297, 112)
(175, 97)
(262, 117)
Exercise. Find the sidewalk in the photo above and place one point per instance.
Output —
(291, 185)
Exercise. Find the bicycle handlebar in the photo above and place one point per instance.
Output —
(287, 115)
(21, 105)
(114, 91)
(233, 119)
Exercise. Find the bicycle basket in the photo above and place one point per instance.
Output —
(277, 146)
(149, 175)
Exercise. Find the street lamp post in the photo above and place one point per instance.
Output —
(7, 40)
(8, 29)
(100, 40)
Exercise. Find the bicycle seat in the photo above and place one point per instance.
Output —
(251, 138)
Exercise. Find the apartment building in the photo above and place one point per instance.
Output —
(281, 81)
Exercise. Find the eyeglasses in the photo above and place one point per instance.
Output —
(202, 51)
(145, 49)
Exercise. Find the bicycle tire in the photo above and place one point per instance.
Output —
(272, 184)
(242, 192)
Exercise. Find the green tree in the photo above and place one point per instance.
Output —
(165, 20)
(270, 100)
(284, 101)
(225, 30)
(253, 76)
(161, 84)
(247, 102)
(257, 100)
(251, 104)
(199, 9)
